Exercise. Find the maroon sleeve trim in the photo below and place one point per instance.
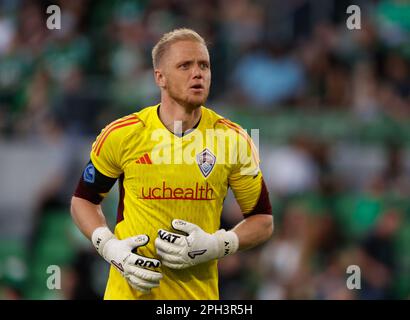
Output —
(120, 210)
(85, 192)
(263, 205)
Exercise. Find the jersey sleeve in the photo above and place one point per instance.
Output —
(246, 179)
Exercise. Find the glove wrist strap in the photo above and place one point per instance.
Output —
(229, 242)
(100, 237)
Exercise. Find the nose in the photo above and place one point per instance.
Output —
(197, 72)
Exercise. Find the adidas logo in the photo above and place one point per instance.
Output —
(144, 159)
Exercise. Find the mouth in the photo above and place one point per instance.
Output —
(197, 88)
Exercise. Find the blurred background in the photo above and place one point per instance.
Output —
(332, 106)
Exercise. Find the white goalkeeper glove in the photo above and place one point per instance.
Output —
(178, 251)
(120, 254)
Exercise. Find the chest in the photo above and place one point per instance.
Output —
(175, 169)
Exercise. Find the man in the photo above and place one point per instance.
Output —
(173, 183)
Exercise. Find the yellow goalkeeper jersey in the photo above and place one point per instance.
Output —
(164, 177)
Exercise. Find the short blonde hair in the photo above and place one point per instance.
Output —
(169, 38)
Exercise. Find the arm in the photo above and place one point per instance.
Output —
(87, 216)
(254, 230)
(251, 193)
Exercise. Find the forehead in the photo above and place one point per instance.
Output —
(187, 50)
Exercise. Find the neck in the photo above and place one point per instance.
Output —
(178, 118)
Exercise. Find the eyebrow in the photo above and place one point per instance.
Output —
(192, 61)
(183, 62)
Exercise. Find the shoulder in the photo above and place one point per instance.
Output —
(136, 121)
(120, 129)
(218, 121)
(121, 126)
(227, 128)
(147, 114)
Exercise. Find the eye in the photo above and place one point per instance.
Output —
(204, 65)
(184, 66)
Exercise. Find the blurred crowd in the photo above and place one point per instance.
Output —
(336, 203)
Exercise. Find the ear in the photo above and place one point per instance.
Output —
(159, 78)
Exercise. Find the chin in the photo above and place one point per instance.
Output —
(191, 104)
(191, 101)
(196, 102)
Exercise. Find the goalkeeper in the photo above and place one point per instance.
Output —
(172, 184)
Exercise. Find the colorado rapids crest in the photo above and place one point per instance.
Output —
(206, 162)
